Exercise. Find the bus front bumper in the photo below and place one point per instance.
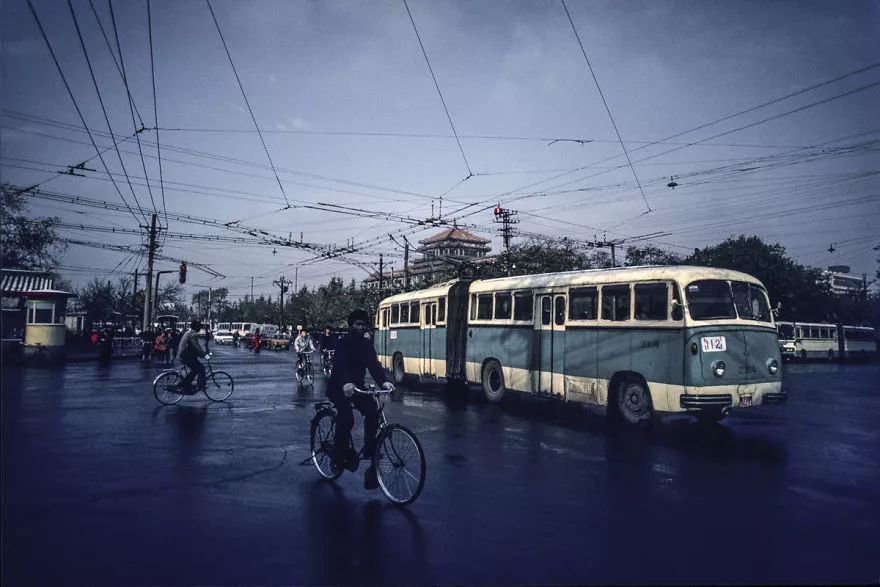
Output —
(724, 397)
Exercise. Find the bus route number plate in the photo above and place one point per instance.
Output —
(713, 344)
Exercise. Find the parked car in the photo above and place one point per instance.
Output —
(222, 337)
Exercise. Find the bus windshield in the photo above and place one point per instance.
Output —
(714, 299)
(710, 299)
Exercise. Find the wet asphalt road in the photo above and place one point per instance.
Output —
(101, 484)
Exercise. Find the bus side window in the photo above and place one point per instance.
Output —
(651, 301)
(473, 306)
(545, 311)
(503, 306)
(414, 313)
(395, 313)
(582, 304)
(484, 307)
(441, 310)
(615, 303)
(404, 313)
(523, 306)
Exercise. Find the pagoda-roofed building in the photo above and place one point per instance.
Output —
(440, 256)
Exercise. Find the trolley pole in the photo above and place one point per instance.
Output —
(283, 284)
(507, 218)
(148, 297)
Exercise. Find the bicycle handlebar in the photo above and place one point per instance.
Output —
(373, 391)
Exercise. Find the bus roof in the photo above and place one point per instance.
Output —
(681, 273)
(434, 291)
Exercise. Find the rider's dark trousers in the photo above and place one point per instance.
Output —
(194, 367)
(366, 405)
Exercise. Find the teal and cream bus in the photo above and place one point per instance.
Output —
(639, 340)
(806, 340)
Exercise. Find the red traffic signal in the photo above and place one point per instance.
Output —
(182, 278)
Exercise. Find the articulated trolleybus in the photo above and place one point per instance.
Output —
(639, 340)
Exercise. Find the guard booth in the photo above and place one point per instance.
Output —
(34, 328)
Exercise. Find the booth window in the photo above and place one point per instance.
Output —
(41, 312)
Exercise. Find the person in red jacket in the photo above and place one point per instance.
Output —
(258, 341)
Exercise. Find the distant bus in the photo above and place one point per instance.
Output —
(223, 327)
(638, 340)
(242, 327)
(165, 321)
(805, 340)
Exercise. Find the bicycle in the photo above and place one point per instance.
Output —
(218, 384)
(327, 361)
(304, 369)
(399, 460)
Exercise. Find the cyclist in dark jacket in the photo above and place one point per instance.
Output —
(189, 353)
(354, 356)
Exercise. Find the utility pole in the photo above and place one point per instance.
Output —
(295, 279)
(209, 307)
(613, 258)
(148, 301)
(252, 289)
(406, 264)
(134, 296)
(507, 218)
(282, 283)
(381, 268)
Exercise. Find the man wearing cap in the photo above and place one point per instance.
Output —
(354, 356)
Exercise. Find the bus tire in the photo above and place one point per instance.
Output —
(493, 381)
(634, 401)
(398, 373)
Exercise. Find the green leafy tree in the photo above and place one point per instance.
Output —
(804, 292)
(25, 243)
(651, 255)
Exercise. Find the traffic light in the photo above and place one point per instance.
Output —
(182, 278)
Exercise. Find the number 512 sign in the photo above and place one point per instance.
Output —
(713, 344)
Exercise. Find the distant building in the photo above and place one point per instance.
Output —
(440, 255)
(33, 312)
(842, 282)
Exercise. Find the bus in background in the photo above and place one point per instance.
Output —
(806, 340)
(167, 321)
(242, 327)
(861, 342)
(639, 340)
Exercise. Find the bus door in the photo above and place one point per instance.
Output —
(550, 324)
(428, 326)
(382, 351)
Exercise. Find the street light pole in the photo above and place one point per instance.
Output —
(282, 283)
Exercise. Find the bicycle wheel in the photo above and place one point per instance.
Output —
(322, 444)
(299, 373)
(219, 386)
(400, 464)
(310, 373)
(165, 388)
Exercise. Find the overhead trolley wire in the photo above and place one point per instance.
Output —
(137, 135)
(78, 111)
(436, 85)
(605, 102)
(101, 101)
(244, 95)
(156, 109)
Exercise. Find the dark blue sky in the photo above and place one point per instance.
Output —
(506, 69)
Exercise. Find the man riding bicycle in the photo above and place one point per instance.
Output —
(355, 354)
(189, 352)
(303, 346)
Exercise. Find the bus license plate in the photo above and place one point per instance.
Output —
(745, 401)
(713, 344)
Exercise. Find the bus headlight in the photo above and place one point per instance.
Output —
(718, 368)
(772, 366)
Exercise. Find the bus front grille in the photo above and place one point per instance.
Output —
(703, 401)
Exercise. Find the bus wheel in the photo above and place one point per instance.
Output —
(397, 371)
(493, 381)
(634, 401)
